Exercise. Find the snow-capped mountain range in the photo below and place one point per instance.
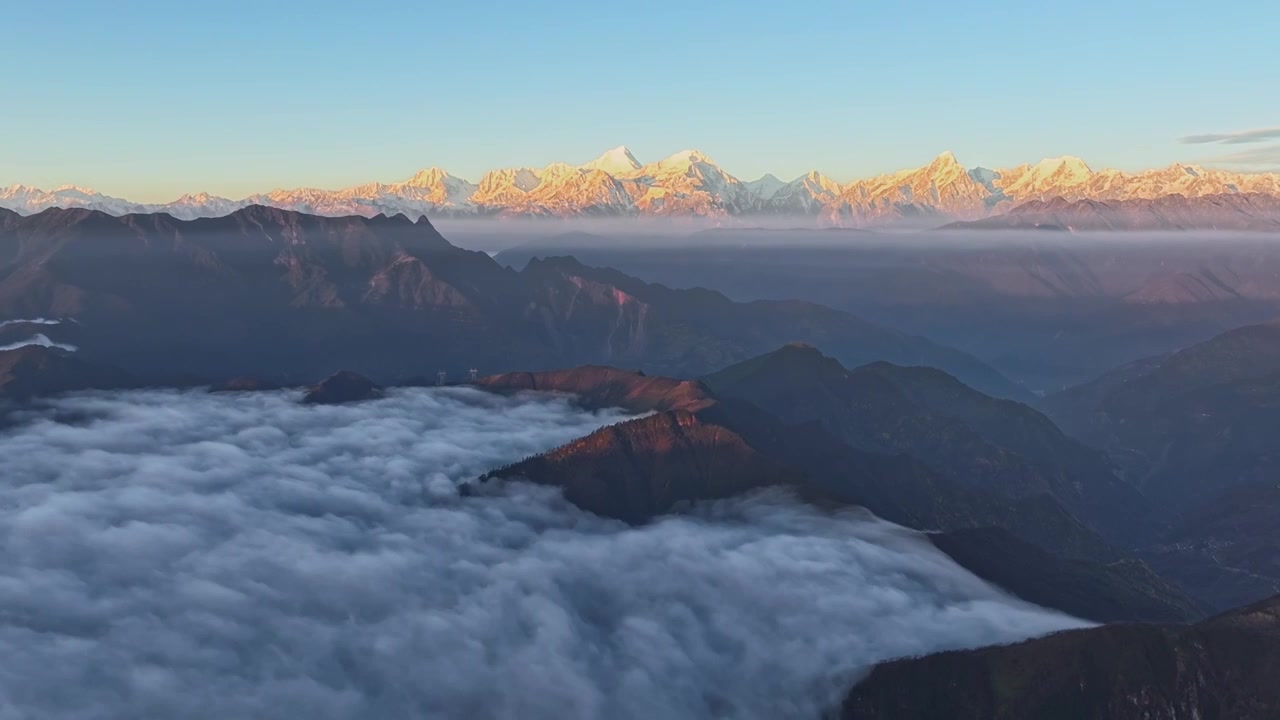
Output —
(689, 183)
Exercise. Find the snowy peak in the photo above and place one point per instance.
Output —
(506, 186)
(28, 200)
(430, 177)
(76, 190)
(805, 195)
(198, 205)
(556, 170)
(1069, 164)
(689, 183)
(432, 186)
(682, 160)
(688, 169)
(946, 161)
(196, 198)
(1051, 177)
(766, 187)
(947, 169)
(817, 181)
(579, 191)
(941, 189)
(617, 161)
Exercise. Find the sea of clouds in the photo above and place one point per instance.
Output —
(181, 554)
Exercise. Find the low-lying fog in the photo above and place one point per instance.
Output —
(194, 555)
(780, 231)
(1046, 309)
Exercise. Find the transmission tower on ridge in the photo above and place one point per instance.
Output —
(440, 376)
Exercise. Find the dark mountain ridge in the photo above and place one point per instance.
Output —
(1221, 669)
(342, 387)
(1051, 309)
(698, 445)
(35, 371)
(1191, 423)
(1199, 432)
(986, 445)
(273, 293)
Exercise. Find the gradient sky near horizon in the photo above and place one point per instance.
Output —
(149, 100)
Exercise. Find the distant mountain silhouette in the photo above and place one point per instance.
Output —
(1229, 211)
(985, 444)
(1189, 424)
(342, 387)
(272, 293)
(1196, 431)
(1051, 309)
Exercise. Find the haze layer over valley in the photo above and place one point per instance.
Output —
(1047, 309)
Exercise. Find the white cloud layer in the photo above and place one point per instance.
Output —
(1239, 137)
(189, 555)
(38, 339)
(31, 321)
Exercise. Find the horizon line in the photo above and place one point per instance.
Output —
(585, 166)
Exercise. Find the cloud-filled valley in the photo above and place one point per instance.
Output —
(187, 554)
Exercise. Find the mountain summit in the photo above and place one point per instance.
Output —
(617, 161)
(690, 183)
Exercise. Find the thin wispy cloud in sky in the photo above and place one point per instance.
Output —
(30, 321)
(1265, 156)
(1255, 159)
(1240, 137)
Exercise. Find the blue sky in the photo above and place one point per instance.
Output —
(149, 100)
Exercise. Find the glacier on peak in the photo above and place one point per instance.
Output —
(765, 187)
(690, 183)
(616, 161)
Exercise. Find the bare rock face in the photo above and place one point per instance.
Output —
(599, 387)
(342, 387)
(640, 469)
